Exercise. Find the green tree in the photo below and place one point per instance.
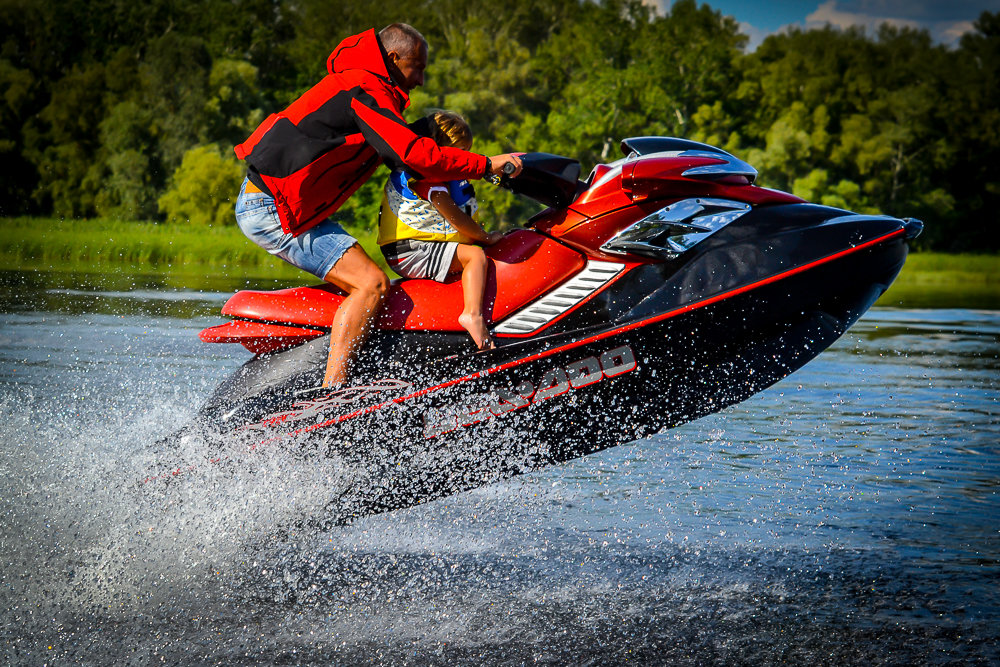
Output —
(235, 105)
(970, 108)
(62, 142)
(127, 158)
(691, 55)
(816, 187)
(711, 124)
(628, 72)
(203, 189)
(17, 174)
(796, 140)
(173, 80)
(850, 120)
(104, 101)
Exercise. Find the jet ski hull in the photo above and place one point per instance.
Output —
(455, 422)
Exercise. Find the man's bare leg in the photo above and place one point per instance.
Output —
(472, 260)
(366, 285)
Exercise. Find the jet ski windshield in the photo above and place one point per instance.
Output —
(552, 180)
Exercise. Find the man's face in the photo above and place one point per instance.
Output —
(411, 67)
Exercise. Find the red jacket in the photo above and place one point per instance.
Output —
(313, 155)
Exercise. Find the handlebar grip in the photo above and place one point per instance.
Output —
(509, 168)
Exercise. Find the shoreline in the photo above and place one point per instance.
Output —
(183, 256)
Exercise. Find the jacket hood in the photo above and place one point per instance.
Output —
(364, 52)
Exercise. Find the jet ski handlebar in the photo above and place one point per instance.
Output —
(508, 170)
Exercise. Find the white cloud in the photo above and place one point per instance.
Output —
(755, 35)
(950, 33)
(924, 11)
(660, 6)
(828, 13)
(945, 20)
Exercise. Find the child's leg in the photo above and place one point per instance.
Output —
(472, 260)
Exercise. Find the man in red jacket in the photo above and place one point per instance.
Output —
(304, 162)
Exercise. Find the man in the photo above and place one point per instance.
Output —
(304, 162)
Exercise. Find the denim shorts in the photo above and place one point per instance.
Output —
(315, 250)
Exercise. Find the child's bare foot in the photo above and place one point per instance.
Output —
(476, 326)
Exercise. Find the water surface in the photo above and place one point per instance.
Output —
(849, 514)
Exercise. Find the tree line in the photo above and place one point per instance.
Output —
(130, 110)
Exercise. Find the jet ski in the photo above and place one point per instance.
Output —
(662, 287)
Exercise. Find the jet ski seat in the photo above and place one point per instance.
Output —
(522, 266)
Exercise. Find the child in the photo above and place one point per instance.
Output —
(428, 229)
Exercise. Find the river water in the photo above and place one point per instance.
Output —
(849, 514)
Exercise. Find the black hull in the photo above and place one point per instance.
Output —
(470, 420)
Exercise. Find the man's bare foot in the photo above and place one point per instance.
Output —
(336, 368)
(476, 326)
(336, 373)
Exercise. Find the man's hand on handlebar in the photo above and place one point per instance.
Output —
(508, 164)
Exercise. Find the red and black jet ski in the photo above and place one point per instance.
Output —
(663, 287)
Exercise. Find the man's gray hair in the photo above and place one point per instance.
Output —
(401, 38)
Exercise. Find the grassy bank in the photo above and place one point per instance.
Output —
(939, 280)
(180, 251)
(103, 245)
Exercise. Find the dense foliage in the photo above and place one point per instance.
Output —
(130, 110)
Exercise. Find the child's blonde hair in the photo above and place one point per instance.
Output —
(449, 129)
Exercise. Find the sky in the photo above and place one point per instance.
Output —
(946, 20)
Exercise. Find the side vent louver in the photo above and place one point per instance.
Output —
(561, 300)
